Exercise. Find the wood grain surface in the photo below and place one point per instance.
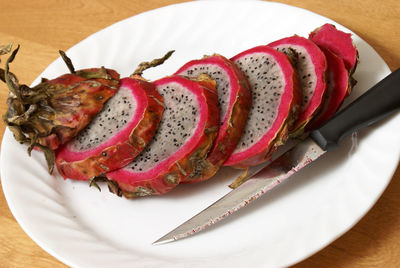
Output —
(42, 27)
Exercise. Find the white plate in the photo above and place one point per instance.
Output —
(84, 227)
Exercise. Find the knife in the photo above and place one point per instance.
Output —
(380, 101)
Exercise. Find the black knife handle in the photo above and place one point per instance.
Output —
(378, 102)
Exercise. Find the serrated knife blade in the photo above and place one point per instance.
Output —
(278, 171)
(380, 101)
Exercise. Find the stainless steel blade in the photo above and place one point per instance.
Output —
(253, 170)
(279, 170)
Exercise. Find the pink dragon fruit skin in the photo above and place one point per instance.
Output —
(159, 168)
(311, 67)
(337, 89)
(235, 101)
(276, 96)
(135, 112)
(338, 42)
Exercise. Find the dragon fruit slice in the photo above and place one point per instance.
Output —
(337, 88)
(235, 101)
(276, 97)
(185, 135)
(311, 67)
(116, 135)
(338, 42)
(54, 111)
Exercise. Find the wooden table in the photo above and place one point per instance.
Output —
(42, 27)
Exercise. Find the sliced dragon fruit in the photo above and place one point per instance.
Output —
(276, 98)
(311, 67)
(54, 111)
(235, 101)
(185, 135)
(116, 135)
(337, 89)
(338, 42)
